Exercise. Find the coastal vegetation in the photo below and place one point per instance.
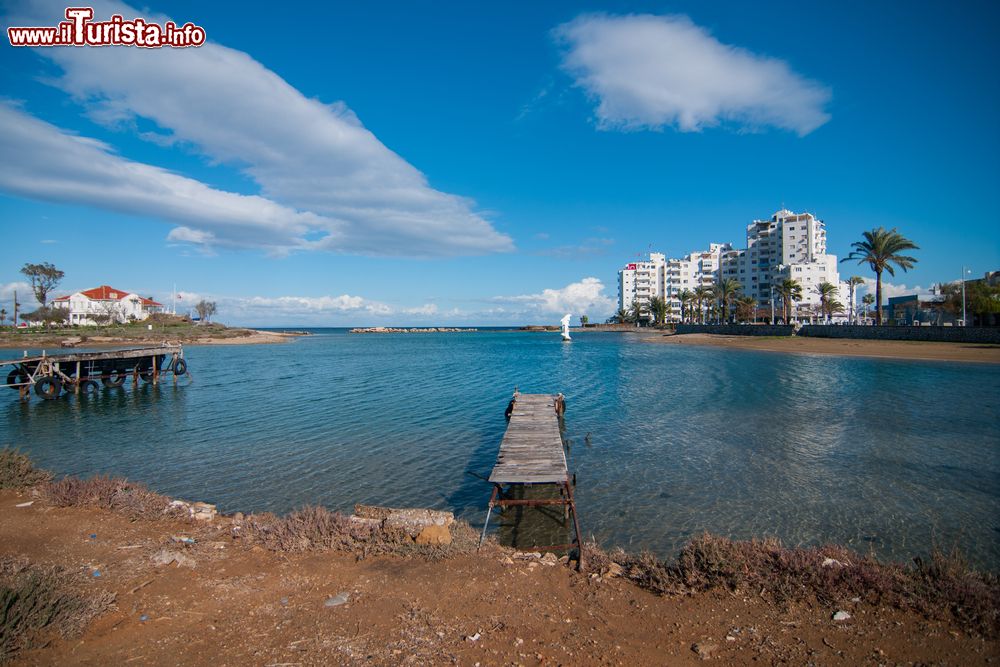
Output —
(790, 291)
(881, 248)
(937, 587)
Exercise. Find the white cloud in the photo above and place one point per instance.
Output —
(889, 289)
(25, 296)
(585, 297)
(58, 166)
(309, 159)
(426, 310)
(650, 71)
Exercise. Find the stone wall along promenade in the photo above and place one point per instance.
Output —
(930, 333)
(737, 329)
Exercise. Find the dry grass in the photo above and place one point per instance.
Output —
(317, 528)
(18, 472)
(36, 600)
(944, 586)
(110, 493)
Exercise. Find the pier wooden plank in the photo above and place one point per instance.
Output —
(531, 451)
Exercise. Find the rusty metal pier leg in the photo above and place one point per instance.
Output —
(580, 566)
(489, 511)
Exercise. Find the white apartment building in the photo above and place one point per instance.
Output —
(639, 281)
(667, 278)
(786, 245)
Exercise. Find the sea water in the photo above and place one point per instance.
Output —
(666, 441)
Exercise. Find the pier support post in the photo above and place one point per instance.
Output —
(489, 511)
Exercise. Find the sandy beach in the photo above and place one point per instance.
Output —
(881, 349)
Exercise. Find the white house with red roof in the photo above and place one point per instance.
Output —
(106, 302)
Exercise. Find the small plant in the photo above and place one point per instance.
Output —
(110, 493)
(35, 600)
(18, 472)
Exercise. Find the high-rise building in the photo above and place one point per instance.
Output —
(788, 245)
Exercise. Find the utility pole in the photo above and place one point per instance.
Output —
(16, 304)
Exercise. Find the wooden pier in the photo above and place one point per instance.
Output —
(532, 452)
(77, 372)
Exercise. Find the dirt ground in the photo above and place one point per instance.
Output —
(222, 603)
(845, 347)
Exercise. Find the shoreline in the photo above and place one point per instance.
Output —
(250, 337)
(836, 347)
(150, 583)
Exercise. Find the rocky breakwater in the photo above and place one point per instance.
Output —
(377, 330)
(423, 526)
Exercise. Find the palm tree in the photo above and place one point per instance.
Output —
(3, 316)
(685, 296)
(725, 291)
(789, 290)
(745, 306)
(880, 249)
(701, 295)
(827, 295)
(853, 282)
(868, 300)
(658, 309)
(635, 314)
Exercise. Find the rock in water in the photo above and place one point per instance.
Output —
(434, 535)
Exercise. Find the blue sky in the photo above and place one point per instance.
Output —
(457, 163)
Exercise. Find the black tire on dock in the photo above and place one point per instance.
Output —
(17, 376)
(48, 387)
(146, 374)
(89, 387)
(114, 378)
(180, 367)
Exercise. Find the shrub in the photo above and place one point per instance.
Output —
(35, 599)
(110, 493)
(18, 472)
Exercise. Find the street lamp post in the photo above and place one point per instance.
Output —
(964, 272)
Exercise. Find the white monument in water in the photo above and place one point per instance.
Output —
(565, 328)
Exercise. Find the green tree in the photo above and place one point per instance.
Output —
(790, 291)
(868, 300)
(686, 297)
(3, 316)
(827, 296)
(852, 283)
(880, 249)
(620, 317)
(702, 294)
(635, 313)
(658, 309)
(584, 320)
(44, 278)
(981, 299)
(725, 291)
(745, 306)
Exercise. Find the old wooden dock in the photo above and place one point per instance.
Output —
(76, 372)
(532, 452)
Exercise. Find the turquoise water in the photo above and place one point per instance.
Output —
(890, 456)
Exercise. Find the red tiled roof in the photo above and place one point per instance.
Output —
(104, 293)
